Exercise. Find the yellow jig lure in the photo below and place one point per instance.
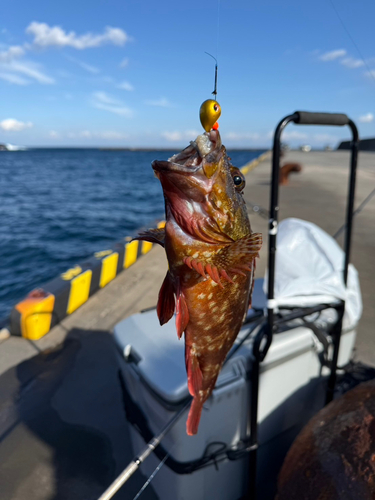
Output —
(210, 110)
(209, 113)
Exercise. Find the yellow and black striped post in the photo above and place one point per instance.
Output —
(43, 308)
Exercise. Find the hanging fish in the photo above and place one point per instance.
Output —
(211, 253)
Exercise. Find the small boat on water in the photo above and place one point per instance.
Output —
(12, 147)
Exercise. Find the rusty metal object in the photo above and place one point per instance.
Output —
(333, 458)
(286, 170)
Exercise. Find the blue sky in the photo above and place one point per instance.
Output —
(134, 73)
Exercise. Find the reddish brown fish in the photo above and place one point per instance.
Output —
(211, 253)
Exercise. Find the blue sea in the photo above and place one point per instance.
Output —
(59, 206)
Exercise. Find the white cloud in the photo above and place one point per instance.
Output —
(162, 102)
(180, 136)
(332, 55)
(368, 118)
(108, 135)
(192, 134)
(370, 74)
(112, 135)
(53, 134)
(83, 65)
(293, 134)
(55, 36)
(234, 136)
(104, 98)
(322, 139)
(117, 110)
(31, 70)
(11, 53)
(103, 101)
(125, 86)
(124, 63)
(12, 78)
(351, 63)
(172, 136)
(13, 125)
(11, 69)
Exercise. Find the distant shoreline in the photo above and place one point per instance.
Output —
(177, 148)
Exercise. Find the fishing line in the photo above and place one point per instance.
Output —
(217, 50)
(157, 469)
(353, 41)
(160, 465)
(359, 209)
(218, 28)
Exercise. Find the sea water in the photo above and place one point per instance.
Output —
(59, 206)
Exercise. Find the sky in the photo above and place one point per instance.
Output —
(133, 73)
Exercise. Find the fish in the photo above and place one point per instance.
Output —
(211, 252)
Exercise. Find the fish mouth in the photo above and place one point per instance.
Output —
(205, 148)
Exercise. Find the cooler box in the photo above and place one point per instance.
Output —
(152, 367)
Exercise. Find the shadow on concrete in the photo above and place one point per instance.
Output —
(63, 433)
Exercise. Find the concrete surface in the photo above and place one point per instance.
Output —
(62, 429)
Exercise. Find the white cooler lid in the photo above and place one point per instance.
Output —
(161, 355)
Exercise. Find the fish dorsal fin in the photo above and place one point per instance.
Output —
(153, 236)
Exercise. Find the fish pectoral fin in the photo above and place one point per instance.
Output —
(166, 300)
(182, 313)
(194, 372)
(240, 255)
(152, 235)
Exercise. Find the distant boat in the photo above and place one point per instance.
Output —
(11, 147)
(305, 148)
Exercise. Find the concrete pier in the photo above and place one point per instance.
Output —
(62, 425)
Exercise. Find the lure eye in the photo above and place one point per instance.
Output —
(216, 107)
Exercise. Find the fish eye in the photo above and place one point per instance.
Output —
(238, 179)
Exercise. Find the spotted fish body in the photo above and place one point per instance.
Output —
(211, 254)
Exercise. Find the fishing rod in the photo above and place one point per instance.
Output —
(138, 460)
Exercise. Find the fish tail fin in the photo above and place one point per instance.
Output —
(194, 416)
